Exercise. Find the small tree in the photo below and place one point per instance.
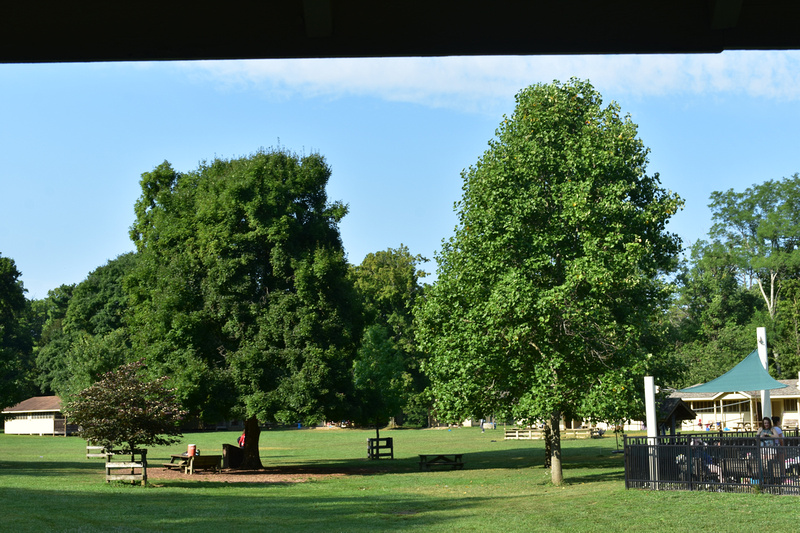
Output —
(378, 378)
(126, 410)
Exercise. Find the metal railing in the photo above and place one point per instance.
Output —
(723, 462)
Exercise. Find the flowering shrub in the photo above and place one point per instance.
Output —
(125, 410)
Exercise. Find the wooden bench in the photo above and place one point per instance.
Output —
(136, 470)
(452, 460)
(377, 448)
(203, 462)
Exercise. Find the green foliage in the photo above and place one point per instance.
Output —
(85, 333)
(761, 228)
(552, 284)
(786, 339)
(714, 317)
(15, 337)
(240, 293)
(744, 278)
(387, 283)
(379, 377)
(125, 410)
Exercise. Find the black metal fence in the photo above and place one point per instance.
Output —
(720, 461)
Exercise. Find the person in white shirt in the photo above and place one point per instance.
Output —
(776, 426)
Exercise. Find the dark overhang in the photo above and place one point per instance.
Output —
(90, 30)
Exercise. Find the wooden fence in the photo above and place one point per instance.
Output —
(135, 470)
(534, 434)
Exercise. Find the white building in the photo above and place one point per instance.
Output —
(40, 415)
(741, 409)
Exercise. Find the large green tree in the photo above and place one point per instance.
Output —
(713, 315)
(241, 293)
(15, 338)
(549, 293)
(388, 285)
(84, 333)
(761, 228)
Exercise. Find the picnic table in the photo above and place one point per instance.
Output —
(452, 460)
(189, 463)
(177, 461)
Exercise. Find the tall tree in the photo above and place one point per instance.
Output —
(379, 377)
(550, 287)
(761, 228)
(388, 285)
(241, 292)
(85, 333)
(712, 316)
(15, 338)
(785, 342)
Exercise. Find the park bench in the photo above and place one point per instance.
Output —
(377, 448)
(203, 462)
(452, 460)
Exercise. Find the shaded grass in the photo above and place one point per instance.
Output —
(46, 484)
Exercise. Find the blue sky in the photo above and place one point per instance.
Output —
(75, 138)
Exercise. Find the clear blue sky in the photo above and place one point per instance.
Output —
(75, 138)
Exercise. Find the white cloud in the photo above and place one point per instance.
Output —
(485, 82)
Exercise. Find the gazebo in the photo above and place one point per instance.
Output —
(725, 461)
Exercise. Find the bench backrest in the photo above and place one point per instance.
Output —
(206, 460)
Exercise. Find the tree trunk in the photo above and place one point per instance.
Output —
(548, 444)
(377, 430)
(252, 432)
(556, 474)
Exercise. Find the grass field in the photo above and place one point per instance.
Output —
(47, 484)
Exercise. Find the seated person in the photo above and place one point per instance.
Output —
(706, 459)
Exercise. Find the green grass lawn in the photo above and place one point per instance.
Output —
(47, 484)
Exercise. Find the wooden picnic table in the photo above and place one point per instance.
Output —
(453, 460)
(189, 463)
(177, 461)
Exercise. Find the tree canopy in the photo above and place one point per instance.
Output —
(761, 229)
(549, 294)
(125, 409)
(15, 337)
(240, 293)
(746, 276)
(84, 332)
(386, 372)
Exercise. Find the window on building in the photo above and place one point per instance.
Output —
(730, 406)
(703, 407)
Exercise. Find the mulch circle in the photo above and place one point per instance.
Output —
(268, 475)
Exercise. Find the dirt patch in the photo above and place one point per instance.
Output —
(287, 474)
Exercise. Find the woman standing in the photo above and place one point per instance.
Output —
(767, 433)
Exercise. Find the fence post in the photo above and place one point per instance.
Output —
(652, 428)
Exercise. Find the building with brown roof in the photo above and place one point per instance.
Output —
(40, 415)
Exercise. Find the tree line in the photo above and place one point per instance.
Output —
(558, 291)
(240, 292)
(745, 275)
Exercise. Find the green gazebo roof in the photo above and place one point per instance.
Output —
(749, 375)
